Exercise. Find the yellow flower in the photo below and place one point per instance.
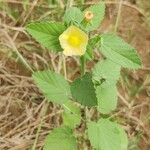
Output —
(73, 41)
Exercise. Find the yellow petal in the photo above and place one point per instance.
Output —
(73, 41)
(71, 52)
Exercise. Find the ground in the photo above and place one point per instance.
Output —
(22, 106)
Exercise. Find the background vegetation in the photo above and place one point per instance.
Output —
(24, 121)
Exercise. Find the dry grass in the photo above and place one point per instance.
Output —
(24, 110)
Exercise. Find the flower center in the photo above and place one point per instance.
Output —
(74, 40)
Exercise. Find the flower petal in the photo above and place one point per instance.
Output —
(73, 41)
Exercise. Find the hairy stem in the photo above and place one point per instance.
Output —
(82, 63)
(64, 67)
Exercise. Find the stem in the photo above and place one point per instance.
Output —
(64, 66)
(22, 59)
(118, 15)
(82, 67)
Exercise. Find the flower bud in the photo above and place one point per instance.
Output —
(88, 15)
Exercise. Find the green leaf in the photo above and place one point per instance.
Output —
(61, 138)
(53, 85)
(106, 95)
(98, 11)
(71, 115)
(123, 138)
(47, 34)
(114, 48)
(73, 15)
(92, 44)
(107, 135)
(105, 75)
(83, 91)
(106, 69)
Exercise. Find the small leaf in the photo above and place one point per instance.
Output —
(71, 115)
(106, 69)
(73, 15)
(47, 34)
(107, 135)
(83, 91)
(53, 85)
(106, 94)
(114, 48)
(98, 11)
(61, 138)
